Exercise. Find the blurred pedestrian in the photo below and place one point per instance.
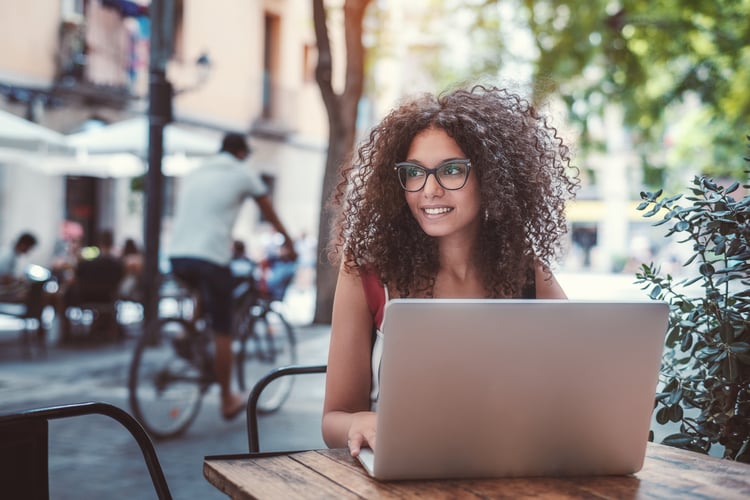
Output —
(209, 202)
(13, 284)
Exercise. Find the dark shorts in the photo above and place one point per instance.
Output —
(214, 282)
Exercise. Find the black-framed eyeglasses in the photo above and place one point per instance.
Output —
(451, 174)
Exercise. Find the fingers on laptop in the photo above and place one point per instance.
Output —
(361, 432)
(356, 443)
(361, 440)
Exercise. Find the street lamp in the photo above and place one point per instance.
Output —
(159, 115)
(161, 93)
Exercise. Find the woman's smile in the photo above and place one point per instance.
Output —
(434, 211)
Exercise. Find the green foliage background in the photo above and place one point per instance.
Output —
(679, 69)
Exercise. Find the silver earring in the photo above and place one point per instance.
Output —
(486, 215)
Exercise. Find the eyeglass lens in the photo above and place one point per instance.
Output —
(450, 175)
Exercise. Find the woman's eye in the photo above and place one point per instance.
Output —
(414, 172)
(453, 169)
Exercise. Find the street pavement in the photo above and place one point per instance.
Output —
(95, 457)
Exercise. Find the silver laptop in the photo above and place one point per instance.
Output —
(507, 388)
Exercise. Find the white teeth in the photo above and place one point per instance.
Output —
(437, 211)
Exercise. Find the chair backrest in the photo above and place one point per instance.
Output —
(98, 280)
(24, 450)
(34, 302)
(253, 442)
(24, 469)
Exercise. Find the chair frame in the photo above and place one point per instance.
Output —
(34, 421)
(29, 312)
(253, 442)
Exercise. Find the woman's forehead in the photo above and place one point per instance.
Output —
(432, 146)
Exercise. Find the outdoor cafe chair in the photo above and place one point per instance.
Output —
(29, 311)
(252, 402)
(95, 292)
(24, 447)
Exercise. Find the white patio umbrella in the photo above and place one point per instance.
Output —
(131, 136)
(19, 137)
(27, 144)
(102, 165)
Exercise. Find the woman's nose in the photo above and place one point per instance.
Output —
(432, 187)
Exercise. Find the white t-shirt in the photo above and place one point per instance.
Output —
(210, 198)
(376, 360)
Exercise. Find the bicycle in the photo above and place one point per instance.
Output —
(173, 364)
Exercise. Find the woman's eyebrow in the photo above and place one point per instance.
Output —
(417, 162)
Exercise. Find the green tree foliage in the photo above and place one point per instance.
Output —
(679, 68)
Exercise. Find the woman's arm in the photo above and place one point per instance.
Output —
(547, 286)
(347, 419)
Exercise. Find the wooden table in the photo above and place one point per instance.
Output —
(667, 473)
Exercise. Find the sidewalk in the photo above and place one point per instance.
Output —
(93, 457)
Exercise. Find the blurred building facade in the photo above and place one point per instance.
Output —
(73, 64)
(76, 64)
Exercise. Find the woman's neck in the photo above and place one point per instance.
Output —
(458, 276)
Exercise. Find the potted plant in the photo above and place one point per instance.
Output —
(705, 375)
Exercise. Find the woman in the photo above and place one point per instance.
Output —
(456, 196)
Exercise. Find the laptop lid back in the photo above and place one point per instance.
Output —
(502, 388)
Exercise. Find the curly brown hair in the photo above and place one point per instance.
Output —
(522, 166)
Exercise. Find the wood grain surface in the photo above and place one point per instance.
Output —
(667, 473)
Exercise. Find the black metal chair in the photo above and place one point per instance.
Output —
(30, 309)
(95, 290)
(24, 464)
(252, 402)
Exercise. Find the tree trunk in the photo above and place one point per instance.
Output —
(342, 120)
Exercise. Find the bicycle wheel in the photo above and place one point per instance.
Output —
(166, 383)
(266, 342)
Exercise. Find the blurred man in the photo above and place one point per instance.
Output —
(200, 253)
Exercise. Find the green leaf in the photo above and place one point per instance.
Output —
(726, 332)
(687, 341)
(675, 413)
(739, 347)
(653, 212)
(678, 440)
(732, 188)
(674, 397)
(690, 260)
(692, 280)
(706, 269)
(662, 416)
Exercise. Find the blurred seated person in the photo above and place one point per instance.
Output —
(96, 285)
(242, 267)
(13, 284)
(240, 264)
(279, 269)
(65, 259)
(132, 263)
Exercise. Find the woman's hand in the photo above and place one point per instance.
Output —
(361, 432)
